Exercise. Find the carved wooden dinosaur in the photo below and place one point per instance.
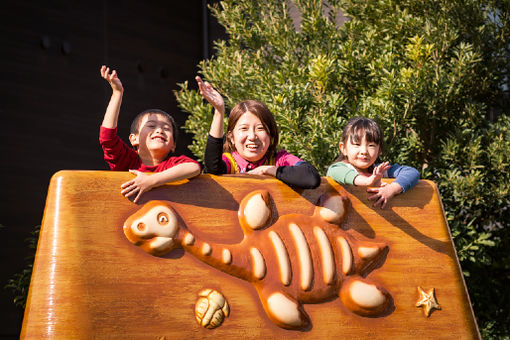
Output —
(298, 259)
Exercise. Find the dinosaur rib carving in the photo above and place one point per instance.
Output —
(304, 256)
(283, 258)
(328, 263)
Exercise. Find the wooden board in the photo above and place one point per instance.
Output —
(90, 282)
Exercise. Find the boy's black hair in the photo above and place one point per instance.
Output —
(135, 125)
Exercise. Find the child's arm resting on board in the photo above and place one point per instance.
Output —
(143, 182)
(302, 175)
(406, 177)
(342, 173)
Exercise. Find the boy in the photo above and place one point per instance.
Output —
(153, 135)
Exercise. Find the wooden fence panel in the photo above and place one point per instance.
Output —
(90, 282)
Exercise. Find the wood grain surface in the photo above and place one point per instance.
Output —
(90, 282)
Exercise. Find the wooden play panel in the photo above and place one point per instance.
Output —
(90, 282)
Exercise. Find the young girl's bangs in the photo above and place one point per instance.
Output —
(365, 128)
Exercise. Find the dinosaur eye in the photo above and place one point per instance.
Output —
(163, 218)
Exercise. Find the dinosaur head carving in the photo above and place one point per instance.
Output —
(153, 228)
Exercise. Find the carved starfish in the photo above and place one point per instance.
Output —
(427, 300)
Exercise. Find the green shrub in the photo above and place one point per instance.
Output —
(429, 71)
(20, 282)
(474, 183)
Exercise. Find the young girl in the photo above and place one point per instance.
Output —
(362, 143)
(250, 143)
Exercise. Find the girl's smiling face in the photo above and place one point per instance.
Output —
(360, 153)
(250, 137)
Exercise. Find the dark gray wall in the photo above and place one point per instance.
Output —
(53, 98)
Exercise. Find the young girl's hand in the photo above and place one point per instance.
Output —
(264, 170)
(384, 193)
(374, 179)
(137, 186)
(379, 171)
(112, 78)
(211, 95)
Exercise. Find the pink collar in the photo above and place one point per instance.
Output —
(245, 165)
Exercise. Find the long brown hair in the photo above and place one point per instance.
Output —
(263, 113)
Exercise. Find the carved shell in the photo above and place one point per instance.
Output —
(211, 308)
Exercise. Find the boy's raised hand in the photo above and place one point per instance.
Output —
(112, 78)
(211, 95)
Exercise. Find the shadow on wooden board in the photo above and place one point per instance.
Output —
(91, 282)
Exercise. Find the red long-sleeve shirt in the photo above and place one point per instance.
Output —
(121, 157)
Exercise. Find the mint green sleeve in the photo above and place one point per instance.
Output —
(342, 173)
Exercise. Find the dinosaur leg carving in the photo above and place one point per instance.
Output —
(363, 297)
(283, 310)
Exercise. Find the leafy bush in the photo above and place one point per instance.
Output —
(429, 71)
(20, 282)
(473, 181)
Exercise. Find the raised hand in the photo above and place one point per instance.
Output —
(211, 95)
(374, 178)
(112, 78)
(378, 173)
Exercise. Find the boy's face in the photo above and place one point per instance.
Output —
(155, 135)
